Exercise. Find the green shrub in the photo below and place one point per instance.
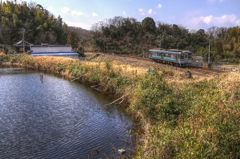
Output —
(154, 98)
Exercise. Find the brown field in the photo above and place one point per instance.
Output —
(172, 74)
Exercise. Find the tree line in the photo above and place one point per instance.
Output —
(114, 35)
(39, 24)
(127, 35)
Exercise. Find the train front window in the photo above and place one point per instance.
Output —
(182, 56)
(189, 55)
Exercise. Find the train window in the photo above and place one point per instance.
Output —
(167, 55)
(185, 55)
(182, 56)
(189, 55)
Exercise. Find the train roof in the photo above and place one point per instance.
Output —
(170, 51)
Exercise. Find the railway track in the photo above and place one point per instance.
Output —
(200, 69)
(205, 71)
(194, 69)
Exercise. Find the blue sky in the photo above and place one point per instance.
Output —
(192, 14)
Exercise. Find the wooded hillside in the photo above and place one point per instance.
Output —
(40, 25)
(127, 35)
(116, 35)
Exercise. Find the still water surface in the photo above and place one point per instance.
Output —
(54, 118)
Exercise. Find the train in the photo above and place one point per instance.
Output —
(171, 56)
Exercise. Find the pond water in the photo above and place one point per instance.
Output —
(43, 116)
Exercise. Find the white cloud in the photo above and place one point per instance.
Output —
(94, 14)
(142, 11)
(77, 24)
(150, 11)
(77, 13)
(227, 18)
(125, 14)
(65, 10)
(206, 19)
(50, 9)
(238, 22)
(210, 20)
(159, 6)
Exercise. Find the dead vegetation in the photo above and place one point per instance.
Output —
(177, 116)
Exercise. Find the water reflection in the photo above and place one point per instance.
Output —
(56, 118)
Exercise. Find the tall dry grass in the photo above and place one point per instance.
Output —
(177, 117)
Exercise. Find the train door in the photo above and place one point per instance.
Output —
(186, 57)
(177, 56)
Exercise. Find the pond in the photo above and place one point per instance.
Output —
(43, 116)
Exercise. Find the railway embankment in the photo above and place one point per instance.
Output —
(176, 116)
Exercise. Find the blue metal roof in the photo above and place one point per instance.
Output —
(52, 50)
(54, 54)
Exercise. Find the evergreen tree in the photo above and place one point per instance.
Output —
(72, 39)
(149, 24)
(40, 25)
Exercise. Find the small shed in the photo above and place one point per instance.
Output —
(197, 61)
(22, 46)
(52, 50)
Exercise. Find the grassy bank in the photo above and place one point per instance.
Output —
(177, 117)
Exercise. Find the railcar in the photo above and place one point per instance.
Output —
(171, 56)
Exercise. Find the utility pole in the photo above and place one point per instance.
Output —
(237, 34)
(23, 40)
(160, 40)
(160, 44)
(209, 52)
